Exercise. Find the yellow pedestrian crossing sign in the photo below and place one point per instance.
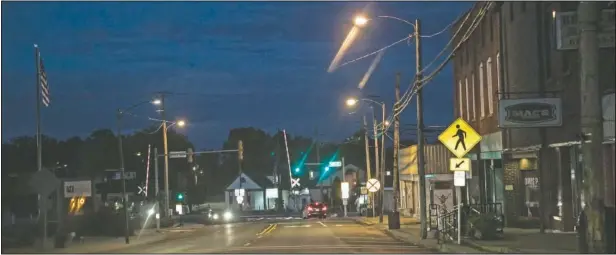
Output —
(459, 138)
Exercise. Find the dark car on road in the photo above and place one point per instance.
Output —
(315, 210)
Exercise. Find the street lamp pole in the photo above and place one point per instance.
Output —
(124, 197)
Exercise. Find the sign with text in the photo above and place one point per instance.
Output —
(77, 188)
(459, 178)
(335, 164)
(568, 35)
(530, 113)
(177, 154)
(344, 187)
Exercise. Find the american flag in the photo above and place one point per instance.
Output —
(44, 86)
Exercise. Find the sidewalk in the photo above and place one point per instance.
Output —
(93, 244)
(518, 240)
(514, 241)
(375, 220)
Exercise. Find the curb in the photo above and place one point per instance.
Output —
(394, 236)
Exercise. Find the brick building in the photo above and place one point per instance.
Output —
(518, 52)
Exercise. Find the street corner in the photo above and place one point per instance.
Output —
(365, 221)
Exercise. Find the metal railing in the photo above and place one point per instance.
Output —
(446, 222)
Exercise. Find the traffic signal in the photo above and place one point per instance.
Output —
(179, 197)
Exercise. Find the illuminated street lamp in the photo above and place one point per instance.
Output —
(360, 21)
(351, 101)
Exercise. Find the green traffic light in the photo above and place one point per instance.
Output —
(180, 196)
(326, 168)
(297, 169)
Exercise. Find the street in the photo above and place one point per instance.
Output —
(291, 236)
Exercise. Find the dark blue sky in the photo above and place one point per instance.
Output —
(236, 64)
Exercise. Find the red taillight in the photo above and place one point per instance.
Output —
(309, 208)
(324, 208)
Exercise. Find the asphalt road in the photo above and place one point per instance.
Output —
(283, 236)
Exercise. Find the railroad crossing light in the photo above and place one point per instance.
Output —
(189, 155)
(240, 150)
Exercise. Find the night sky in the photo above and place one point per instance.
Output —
(232, 64)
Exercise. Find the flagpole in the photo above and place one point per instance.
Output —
(39, 143)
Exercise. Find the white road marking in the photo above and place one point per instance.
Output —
(339, 225)
(322, 224)
(246, 244)
(298, 226)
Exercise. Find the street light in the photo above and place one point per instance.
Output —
(120, 114)
(360, 21)
(380, 164)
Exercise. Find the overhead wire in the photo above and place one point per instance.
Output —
(414, 87)
(476, 21)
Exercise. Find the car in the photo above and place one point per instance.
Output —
(221, 216)
(312, 210)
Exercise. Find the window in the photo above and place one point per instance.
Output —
(489, 86)
(468, 107)
(482, 110)
(460, 107)
(473, 105)
(498, 73)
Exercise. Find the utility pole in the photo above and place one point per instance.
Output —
(420, 137)
(317, 143)
(591, 125)
(376, 152)
(368, 173)
(166, 151)
(156, 189)
(122, 171)
(395, 224)
(382, 197)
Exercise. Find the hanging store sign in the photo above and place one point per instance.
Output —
(530, 113)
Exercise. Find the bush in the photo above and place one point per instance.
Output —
(483, 226)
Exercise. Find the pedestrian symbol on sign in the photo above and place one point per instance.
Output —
(461, 134)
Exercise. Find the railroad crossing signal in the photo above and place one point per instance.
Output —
(373, 185)
(295, 182)
(459, 138)
(460, 164)
(141, 190)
